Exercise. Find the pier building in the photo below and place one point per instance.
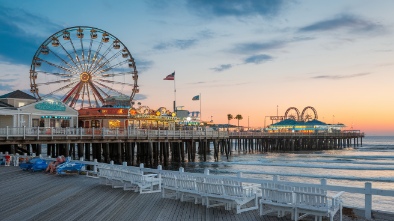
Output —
(22, 110)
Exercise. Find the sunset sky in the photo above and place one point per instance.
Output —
(253, 58)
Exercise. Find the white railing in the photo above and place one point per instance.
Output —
(344, 134)
(367, 190)
(91, 133)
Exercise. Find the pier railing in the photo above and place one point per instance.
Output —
(97, 133)
(55, 133)
(339, 134)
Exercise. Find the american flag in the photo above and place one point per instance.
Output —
(170, 77)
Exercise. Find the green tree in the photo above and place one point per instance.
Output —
(238, 117)
(229, 117)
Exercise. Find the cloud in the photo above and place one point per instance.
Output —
(347, 22)
(143, 65)
(336, 77)
(222, 67)
(255, 47)
(14, 77)
(237, 8)
(183, 44)
(257, 59)
(24, 30)
(6, 87)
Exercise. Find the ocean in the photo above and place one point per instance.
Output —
(372, 162)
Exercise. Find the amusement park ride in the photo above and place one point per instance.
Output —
(308, 113)
(92, 71)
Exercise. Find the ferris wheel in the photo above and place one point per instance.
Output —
(309, 113)
(83, 66)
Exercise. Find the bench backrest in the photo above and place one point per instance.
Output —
(186, 184)
(169, 180)
(311, 199)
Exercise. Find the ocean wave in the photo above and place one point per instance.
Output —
(303, 165)
(318, 176)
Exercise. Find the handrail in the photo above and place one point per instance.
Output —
(132, 133)
(95, 133)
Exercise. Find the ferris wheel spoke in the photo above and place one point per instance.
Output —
(83, 95)
(83, 55)
(116, 55)
(94, 60)
(89, 53)
(65, 62)
(96, 92)
(76, 95)
(113, 66)
(57, 66)
(109, 88)
(115, 82)
(71, 92)
(101, 58)
(76, 55)
(54, 73)
(96, 100)
(101, 90)
(70, 57)
(54, 82)
(61, 89)
(115, 74)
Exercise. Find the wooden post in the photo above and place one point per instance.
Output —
(368, 200)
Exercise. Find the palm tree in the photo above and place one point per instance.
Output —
(238, 117)
(229, 117)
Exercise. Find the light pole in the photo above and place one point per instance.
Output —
(248, 123)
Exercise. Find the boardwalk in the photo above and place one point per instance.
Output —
(38, 196)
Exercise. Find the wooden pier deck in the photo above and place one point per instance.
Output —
(39, 196)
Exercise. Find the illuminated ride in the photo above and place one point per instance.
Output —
(292, 113)
(83, 67)
(309, 113)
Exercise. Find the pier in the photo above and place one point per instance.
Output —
(154, 147)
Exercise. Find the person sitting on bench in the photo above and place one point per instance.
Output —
(52, 166)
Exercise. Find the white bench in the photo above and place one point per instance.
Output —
(276, 198)
(169, 186)
(105, 173)
(229, 196)
(142, 183)
(318, 205)
(187, 189)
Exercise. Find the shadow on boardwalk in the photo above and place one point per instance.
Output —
(39, 196)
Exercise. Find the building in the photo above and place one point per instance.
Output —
(312, 126)
(19, 109)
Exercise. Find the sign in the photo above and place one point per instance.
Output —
(277, 117)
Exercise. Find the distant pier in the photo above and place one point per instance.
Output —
(154, 147)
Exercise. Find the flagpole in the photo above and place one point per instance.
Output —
(200, 108)
(174, 95)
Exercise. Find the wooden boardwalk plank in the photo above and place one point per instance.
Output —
(39, 196)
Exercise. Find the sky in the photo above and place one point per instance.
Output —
(253, 58)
